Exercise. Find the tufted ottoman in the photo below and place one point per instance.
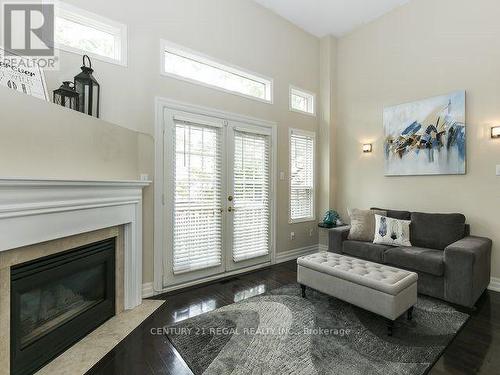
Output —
(386, 291)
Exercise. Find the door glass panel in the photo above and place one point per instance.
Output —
(251, 182)
(197, 240)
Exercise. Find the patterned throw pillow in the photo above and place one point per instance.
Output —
(390, 231)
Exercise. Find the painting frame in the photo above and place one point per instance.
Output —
(31, 78)
(426, 137)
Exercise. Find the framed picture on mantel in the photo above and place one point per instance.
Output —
(18, 73)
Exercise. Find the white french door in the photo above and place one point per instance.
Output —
(249, 196)
(218, 196)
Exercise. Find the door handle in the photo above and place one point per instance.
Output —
(230, 209)
(230, 198)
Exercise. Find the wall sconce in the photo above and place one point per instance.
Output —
(367, 148)
(495, 132)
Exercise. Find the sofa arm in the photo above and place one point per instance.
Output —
(336, 238)
(467, 265)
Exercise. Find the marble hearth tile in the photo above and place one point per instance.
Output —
(86, 353)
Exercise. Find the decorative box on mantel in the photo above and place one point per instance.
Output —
(48, 223)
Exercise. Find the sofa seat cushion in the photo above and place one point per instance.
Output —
(416, 258)
(365, 250)
(436, 231)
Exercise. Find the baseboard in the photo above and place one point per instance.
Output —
(494, 284)
(147, 290)
(285, 256)
(210, 278)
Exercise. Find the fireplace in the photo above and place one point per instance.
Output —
(46, 218)
(56, 300)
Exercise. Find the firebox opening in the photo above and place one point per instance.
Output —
(57, 300)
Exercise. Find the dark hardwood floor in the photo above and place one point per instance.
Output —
(476, 349)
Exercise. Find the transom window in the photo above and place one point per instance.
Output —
(302, 101)
(83, 32)
(191, 66)
(302, 148)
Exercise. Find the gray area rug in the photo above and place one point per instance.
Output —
(282, 333)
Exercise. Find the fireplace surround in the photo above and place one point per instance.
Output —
(58, 299)
(41, 218)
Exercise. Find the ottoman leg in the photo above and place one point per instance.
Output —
(303, 287)
(409, 313)
(390, 327)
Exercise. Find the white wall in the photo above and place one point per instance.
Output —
(327, 112)
(237, 31)
(423, 49)
(420, 50)
(38, 139)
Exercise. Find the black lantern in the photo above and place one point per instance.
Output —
(88, 89)
(67, 96)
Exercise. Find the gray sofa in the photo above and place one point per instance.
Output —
(451, 264)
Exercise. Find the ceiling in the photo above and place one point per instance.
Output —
(330, 17)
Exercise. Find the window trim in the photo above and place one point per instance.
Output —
(312, 135)
(310, 94)
(86, 18)
(167, 46)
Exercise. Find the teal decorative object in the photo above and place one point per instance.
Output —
(331, 219)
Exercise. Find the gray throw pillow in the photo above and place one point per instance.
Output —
(363, 224)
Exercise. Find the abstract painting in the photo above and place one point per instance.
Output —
(426, 137)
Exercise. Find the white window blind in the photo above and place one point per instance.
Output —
(251, 195)
(197, 208)
(301, 175)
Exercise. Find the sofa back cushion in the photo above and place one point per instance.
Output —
(436, 231)
(395, 214)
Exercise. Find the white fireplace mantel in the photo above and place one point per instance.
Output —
(34, 211)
